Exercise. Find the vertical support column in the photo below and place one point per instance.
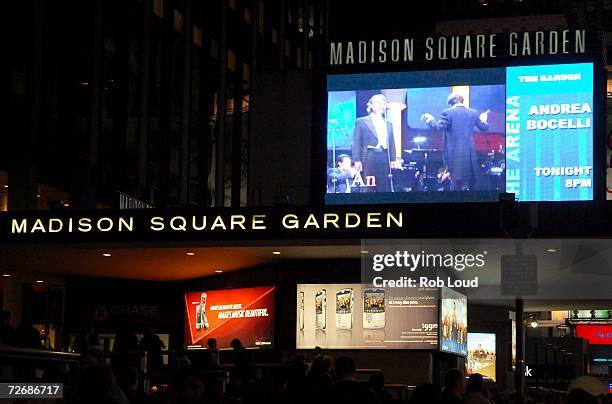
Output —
(166, 93)
(305, 33)
(252, 76)
(281, 36)
(23, 170)
(95, 117)
(237, 132)
(85, 178)
(120, 93)
(206, 111)
(186, 115)
(143, 108)
(519, 376)
(327, 21)
(221, 110)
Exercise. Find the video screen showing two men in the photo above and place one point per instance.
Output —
(441, 136)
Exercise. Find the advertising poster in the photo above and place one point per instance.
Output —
(461, 135)
(453, 324)
(596, 334)
(246, 314)
(481, 354)
(351, 316)
(513, 361)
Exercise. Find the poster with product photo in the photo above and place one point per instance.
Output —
(246, 314)
(355, 317)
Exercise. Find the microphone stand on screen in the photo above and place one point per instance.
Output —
(390, 175)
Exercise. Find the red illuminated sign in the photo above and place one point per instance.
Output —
(595, 334)
(246, 314)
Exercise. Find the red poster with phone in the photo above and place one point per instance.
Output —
(246, 314)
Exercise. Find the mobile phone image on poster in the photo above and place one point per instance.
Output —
(352, 316)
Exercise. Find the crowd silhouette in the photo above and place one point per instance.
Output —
(197, 377)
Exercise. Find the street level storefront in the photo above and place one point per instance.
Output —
(156, 278)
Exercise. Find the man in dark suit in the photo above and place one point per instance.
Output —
(374, 145)
(458, 124)
(340, 178)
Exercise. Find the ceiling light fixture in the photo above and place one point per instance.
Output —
(552, 250)
(276, 252)
(39, 281)
(218, 271)
(190, 253)
(106, 254)
(532, 321)
(6, 275)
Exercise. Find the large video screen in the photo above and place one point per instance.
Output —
(461, 135)
(355, 317)
(481, 354)
(246, 314)
(453, 322)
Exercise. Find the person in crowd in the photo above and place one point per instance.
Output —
(297, 378)
(347, 388)
(27, 336)
(7, 331)
(377, 383)
(211, 343)
(97, 386)
(426, 393)
(187, 387)
(586, 390)
(454, 387)
(87, 339)
(242, 361)
(127, 380)
(153, 345)
(125, 347)
(205, 359)
(475, 393)
(322, 376)
(213, 350)
(316, 364)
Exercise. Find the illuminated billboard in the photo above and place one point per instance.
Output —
(246, 314)
(461, 135)
(453, 322)
(481, 354)
(596, 334)
(355, 317)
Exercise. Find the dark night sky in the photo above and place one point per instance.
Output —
(375, 19)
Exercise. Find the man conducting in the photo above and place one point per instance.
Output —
(374, 146)
(458, 123)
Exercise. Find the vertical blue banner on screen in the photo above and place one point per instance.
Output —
(549, 132)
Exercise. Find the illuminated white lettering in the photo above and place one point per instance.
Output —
(19, 227)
